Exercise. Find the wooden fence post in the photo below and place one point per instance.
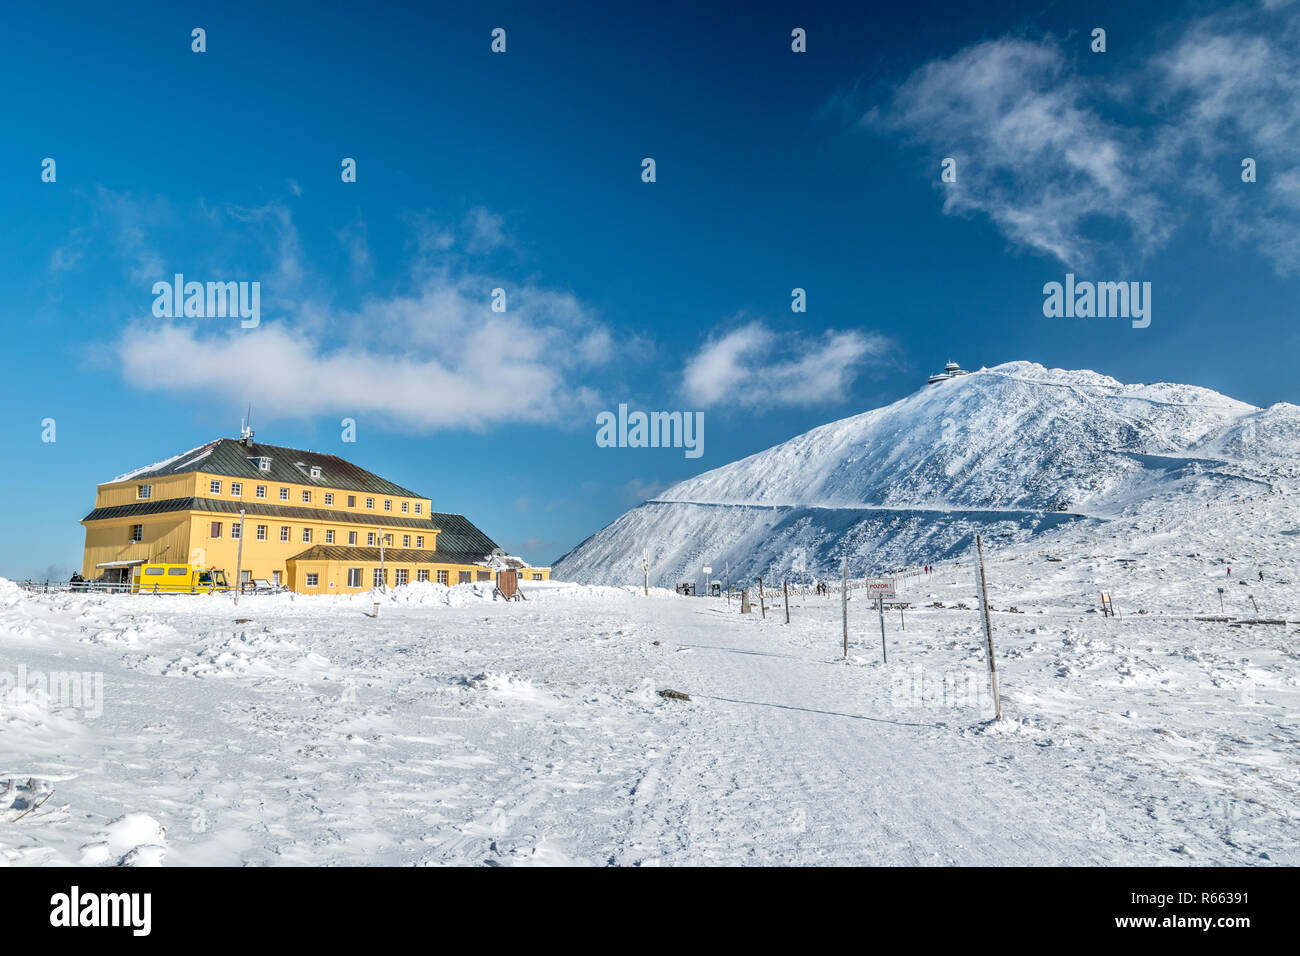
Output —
(988, 628)
(785, 588)
(761, 606)
(844, 606)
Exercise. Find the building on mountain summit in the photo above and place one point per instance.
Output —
(313, 523)
(951, 370)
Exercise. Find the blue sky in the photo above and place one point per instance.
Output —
(522, 171)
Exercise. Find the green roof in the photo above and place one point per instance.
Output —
(227, 456)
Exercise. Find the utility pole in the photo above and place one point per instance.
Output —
(239, 558)
(645, 570)
(727, 570)
(785, 589)
(988, 627)
(761, 606)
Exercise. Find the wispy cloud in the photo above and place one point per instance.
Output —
(1085, 167)
(752, 366)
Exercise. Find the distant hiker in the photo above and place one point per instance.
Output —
(1229, 571)
(1261, 575)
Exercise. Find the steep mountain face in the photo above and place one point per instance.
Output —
(1010, 451)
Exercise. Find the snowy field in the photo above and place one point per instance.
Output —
(454, 729)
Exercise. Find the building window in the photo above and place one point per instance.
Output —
(263, 464)
(215, 531)
(378, 577)
(329, 497)
(313, 580)
(388, 541)
(485, 575)
(406, 541)
(418, 506)
(214, 487)
(236, 489)
(144, 491)
(137, 532)
(422, 574)
(306, 495)
(352, 537)
(235, 530)
(405, 506)
(464, 577)
(388, 504)
(284, 532)
(442, 577)
(260, 491)
(306, 535)
(370, 538)
(354, 577)
(352, 501)
(284, 494)
(400, 576)
(419, 541)
(370, 503)
(537, 577)
(261, 532)
(329, 536)
(315, 471)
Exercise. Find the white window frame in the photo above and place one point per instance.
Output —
(261, 532)
(329, 497)
(284, 494)
(313, 579)
(214, 486)
(284, 532)
(306, 535)
(236, 489)
(143, 491)
(260, 491)
(137, 533)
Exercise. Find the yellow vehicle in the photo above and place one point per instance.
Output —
(177, 579)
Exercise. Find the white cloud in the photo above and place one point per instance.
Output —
(436, 359)
(1041, 152)
(753, 366)
(1033, 153)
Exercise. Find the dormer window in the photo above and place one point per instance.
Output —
(262, 463)
(315, 471)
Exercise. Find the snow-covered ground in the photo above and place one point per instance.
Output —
(454, 729)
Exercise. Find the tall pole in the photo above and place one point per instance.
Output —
(880, 609)
(761, 606)
(988, 628)
(727, 569)
(239, 558)
(645, 569)
(785, 590)
(844, 605)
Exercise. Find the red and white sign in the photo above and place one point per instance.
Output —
(880, 588)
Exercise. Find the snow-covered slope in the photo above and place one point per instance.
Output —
(1010, 451)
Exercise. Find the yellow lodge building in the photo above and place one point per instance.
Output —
(313, 523)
